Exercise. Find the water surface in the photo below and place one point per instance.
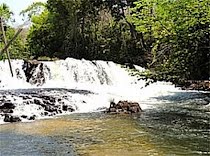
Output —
(178, 126)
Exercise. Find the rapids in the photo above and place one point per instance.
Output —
(107, 81)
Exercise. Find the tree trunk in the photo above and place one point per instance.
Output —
(5, 42)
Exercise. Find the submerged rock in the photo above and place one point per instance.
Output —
(124, 107)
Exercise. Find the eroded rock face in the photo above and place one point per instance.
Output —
(124, 107)
(36, 72)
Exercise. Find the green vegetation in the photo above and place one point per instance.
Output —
(17, 49)
(85, 29)
(171, 38)
(179, 34)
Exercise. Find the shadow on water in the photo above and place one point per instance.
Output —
(182, 120)
(183, 96)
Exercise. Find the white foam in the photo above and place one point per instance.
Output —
(108, 81)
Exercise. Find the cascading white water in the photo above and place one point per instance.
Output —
(107, 80)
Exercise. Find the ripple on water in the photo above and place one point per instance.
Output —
(97, 134)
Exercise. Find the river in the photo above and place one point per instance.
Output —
(178, 127)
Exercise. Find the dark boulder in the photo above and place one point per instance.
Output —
(124, 107)
(7, 105)
(6, 111)
(10, 118)
(24, 116)
(67, 108)
(32, 117)
(35, 72)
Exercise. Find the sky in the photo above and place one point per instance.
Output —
(17, 6)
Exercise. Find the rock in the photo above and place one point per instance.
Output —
(130, 66)
(24, 116)
(26, 97)
(6, 111)
(10, 118)
(7, 105)
(47, 102)
(18, 74)
(195, 85)
(65, 108)
(134, 108)
(52, 100)
(49, 108)
(49, 99)
(35, 72)
(59, 111)
(32, 117)
(124, 107)
(38, 102)
(71, 109)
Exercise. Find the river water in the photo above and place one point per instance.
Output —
(176, 127)
(173, 122)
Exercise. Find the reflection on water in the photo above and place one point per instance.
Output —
(176, 127)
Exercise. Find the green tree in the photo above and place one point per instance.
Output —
(86, 29)
(17, 49)
(178, 32)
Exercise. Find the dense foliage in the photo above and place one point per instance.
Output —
(86, 29)
(179, 34)
(169, 37)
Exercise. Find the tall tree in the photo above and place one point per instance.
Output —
(17, 48)
(180, 31)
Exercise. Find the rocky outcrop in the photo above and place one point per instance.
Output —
(47, 102)
(196, 85)
(124, 107)
(36, 72)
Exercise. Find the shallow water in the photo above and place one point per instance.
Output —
(179, 126)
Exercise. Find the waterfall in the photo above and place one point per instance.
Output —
(64, 73)
(78, 85)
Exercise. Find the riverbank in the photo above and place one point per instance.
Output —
(203, 85)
